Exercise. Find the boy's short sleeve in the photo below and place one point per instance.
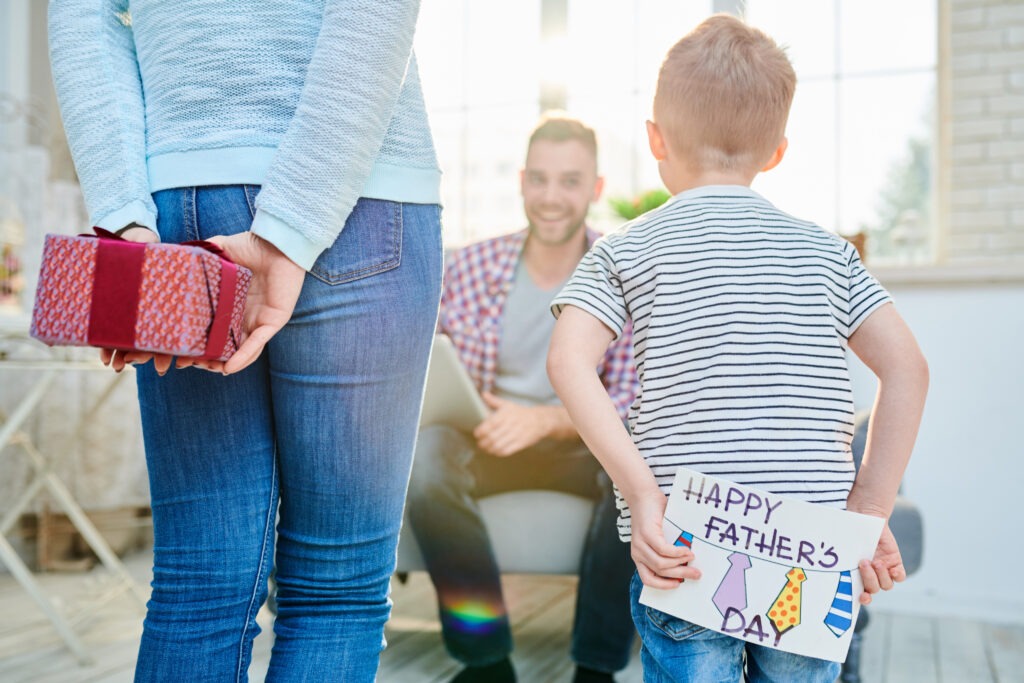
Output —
(595, 287)
(866, 294)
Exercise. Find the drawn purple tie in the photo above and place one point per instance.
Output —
(732, 592)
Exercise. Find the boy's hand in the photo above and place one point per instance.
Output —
(885, 568)
(510, 428)
(659, 563)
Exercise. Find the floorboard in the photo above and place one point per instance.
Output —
(963, 651)
(1006, 652)
(914, 650)
(898, 648)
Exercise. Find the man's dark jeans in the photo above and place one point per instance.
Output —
(449, 475)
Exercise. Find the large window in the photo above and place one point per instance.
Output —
(863, 120)
(481, 69)
(861, 129)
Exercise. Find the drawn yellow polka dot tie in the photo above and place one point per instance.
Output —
(785, 610)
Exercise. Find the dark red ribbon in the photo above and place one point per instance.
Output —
(118, 279)
(103, 233)
(220, 326)
(115, 293)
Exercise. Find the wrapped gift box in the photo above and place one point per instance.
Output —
(179, 299)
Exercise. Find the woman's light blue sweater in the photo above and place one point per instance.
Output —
(318, 101)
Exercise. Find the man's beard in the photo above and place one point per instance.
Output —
(568, 236)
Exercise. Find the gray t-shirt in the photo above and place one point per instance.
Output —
(527, 325)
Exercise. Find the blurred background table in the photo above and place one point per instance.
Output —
(19, 353)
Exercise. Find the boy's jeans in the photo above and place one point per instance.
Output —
(324, 422)
(673, 651)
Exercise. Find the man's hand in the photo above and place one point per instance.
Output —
(275, 288)
(117, 358)
(659, 563)
(884, 569)
(511, 427)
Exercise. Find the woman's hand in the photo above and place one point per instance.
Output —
(276, 284)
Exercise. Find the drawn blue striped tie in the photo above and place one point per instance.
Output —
(685, 539)
(840, 615)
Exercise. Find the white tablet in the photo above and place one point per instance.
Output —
(450, 397)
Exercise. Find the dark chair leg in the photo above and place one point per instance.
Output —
(272, 592)
(851, 667)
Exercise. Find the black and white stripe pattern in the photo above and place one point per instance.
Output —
(740, 319)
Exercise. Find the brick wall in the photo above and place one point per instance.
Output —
(982, 131)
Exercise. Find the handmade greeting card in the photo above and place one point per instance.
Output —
(775, 571)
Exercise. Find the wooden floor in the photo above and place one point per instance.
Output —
(898, 648)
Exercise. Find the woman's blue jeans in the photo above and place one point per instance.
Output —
(319, 430)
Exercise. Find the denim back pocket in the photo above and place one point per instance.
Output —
(673, 627)
(371, 243)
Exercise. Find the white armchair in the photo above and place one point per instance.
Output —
(532, 532)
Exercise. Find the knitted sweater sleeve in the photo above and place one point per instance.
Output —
(326, 155)
(96, 76)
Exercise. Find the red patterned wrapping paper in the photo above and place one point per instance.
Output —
(173, 293)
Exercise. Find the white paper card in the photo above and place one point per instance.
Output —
(775, 571)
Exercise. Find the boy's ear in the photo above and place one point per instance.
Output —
(777, 155)
(598, 188)
(656, 141)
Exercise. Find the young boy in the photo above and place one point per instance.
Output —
(742, 316)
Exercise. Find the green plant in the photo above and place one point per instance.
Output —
(641, 204)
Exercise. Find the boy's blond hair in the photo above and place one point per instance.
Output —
(557, 126)
(723, 96)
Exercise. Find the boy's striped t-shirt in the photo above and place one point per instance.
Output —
(741, 316)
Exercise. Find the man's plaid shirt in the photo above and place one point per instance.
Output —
(477, 281)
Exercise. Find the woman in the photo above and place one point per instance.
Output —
(296, 131)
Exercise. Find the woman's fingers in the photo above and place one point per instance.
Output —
(119, 359)
(251, 348)
(162, 363)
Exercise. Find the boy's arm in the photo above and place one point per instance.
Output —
(886, 345)
(577, 347)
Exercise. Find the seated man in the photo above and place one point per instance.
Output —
(495, 308)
